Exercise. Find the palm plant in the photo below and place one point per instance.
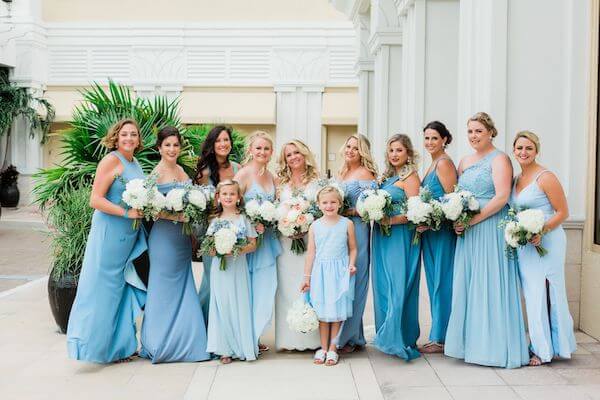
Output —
(196, 135)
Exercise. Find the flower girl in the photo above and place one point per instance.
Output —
(230, 331)
(328, 271)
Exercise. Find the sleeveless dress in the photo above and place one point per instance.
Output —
(204, 290)
(331, 286)
(262, 264)
(553, 337)
(396, 275)
(230, 330)
(438, 258)
(290, 274)
(173, 329)
(486, 322)
(352, 330)
(110, 295)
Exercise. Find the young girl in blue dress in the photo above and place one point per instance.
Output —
(230, 327)
(328, 271)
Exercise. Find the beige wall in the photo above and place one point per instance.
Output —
(189, 10)
(336, 136)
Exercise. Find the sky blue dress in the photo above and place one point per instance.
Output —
(331, 286)
(396, 274)
(173, 329)
(352, 330)
(231, 330)
(438, 258)
(263, 268)
(110, 294)
(553, 337)
(486, 322)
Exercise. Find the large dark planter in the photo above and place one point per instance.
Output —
(9, 195)
(61, 294)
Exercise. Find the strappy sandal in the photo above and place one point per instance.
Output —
(332, 358)
(432, 348)
(319, 357)
(535, 361)
(262, 348)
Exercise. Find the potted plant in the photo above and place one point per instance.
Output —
(9, 192)
(69, 219)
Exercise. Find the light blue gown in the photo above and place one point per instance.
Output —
(438, 258)
(396, 275)
(263, 268)
(231, 330)
(110, 295)
(553, 337)
(352, 330)
(486, 322)
(331, 286)
(173, 329)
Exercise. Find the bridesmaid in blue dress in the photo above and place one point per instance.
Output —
(357, 174)
(173, 328)
(396, 262)
(438, 247)
(110, 295)
(486, 322)
(214, 165)
(538, 188)
(256, 181)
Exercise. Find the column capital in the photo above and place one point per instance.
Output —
(392, 37)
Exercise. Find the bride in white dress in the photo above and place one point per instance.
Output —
(297, 174)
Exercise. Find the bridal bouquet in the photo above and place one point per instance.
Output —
(261, 210)
(520, 227)
(295, 216)
(143, 195)
(374, 205)
(223, 239)
(423, 210)
(302, 318)
(460, 206)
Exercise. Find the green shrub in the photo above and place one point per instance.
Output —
(197, 134)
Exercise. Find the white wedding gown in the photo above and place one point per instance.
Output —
(290, 274)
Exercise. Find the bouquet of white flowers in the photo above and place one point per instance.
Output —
(374, 205)
(423, 210)
(301, 317)
(520, 227)
(460, 206)
(142, 195)
(295, 216)
(261, 210)
(223, 238)
(196, 206)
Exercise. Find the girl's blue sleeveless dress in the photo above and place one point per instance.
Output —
(263, 268)
(331, 286)
(438, 257)
(231, 330)
(549, 336)
(352, 330)
(173, 329)
(486, 323)
(396, 275)
(110, 295)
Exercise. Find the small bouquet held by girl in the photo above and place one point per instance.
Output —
(460, 207)
(143, 195)
(301, 317)
(375, 205)
(423, 211)
(223, 239)
(261, 210)
(520, 227)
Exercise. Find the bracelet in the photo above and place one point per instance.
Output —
(307, 276)
(125, 214)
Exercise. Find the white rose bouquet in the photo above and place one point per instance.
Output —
(295, 217)
(460, 206)
(374, 205)
(423, 210)
(143, 195)
(520, 227)
(223, 239)
(197, 202)
(261, 210)
(302, 318)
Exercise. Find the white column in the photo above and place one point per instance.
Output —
(365, 67)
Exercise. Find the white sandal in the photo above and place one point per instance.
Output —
(333, 357)
(319, 357)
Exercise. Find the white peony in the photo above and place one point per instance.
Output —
(268, 211)
(225, 239)
(510, 234)
(473, 204)
(175, 199)
(452, 206)
(531, 220)
(197, 198)
(252, 208)
(135, 194)
(158, 200)
(302, 318)
(417, 211)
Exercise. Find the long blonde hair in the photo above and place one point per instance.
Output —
(284, 173)
(251, 139)
(364, 151)
(411, 163)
